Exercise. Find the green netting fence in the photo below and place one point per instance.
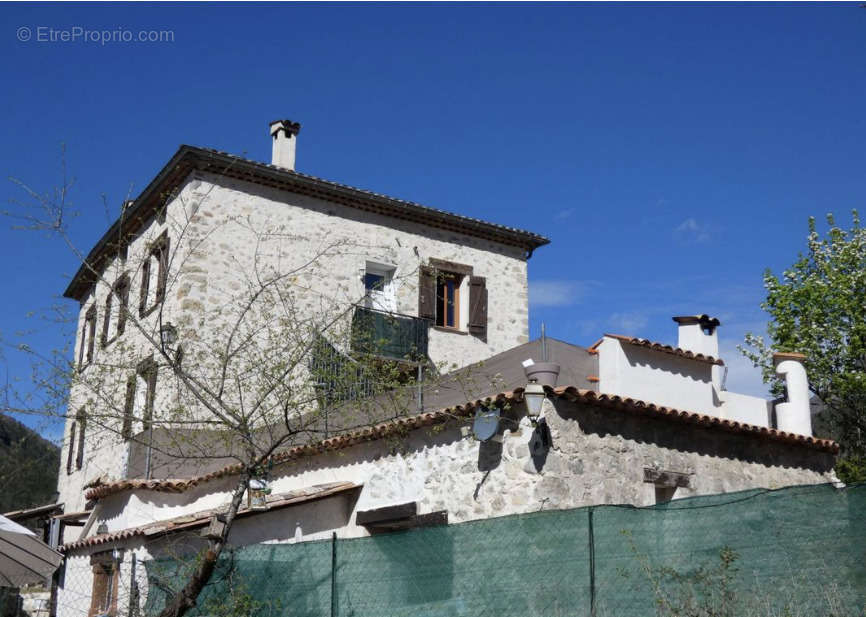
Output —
(789, 552)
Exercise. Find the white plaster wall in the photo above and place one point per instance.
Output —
(654, 377)
(681, 383)
(73, 597)
(744, 408)
(75, 592)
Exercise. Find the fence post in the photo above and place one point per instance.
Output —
(133, 588)
(334, 575)
(591, 535)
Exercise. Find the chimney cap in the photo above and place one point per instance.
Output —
(705, 320)
(781, 356)
(291, 128)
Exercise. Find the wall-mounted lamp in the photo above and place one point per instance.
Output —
(534, 396)
(168, 335)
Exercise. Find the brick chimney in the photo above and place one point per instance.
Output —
(284, 134)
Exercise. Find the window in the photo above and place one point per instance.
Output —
(119, 295)
(106, 574)
(154, 273)
(88, 333)
(379, 287)
(448, 299)
(452, 297)
(140, 394)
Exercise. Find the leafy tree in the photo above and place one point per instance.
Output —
(818, 308)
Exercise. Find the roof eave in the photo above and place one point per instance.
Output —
(188, 158)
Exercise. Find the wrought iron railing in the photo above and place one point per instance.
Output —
(389, 335)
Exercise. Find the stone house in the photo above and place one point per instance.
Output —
(626, 420)
(210, 222)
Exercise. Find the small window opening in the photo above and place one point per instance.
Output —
(448, 299)
(379, 287)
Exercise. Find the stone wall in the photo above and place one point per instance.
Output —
(225, 237)
(597, 456)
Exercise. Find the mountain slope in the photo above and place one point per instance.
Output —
(28, 467)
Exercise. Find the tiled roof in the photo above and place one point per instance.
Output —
(676, 351)
(632, 405)
(401, 425)
(529, 236)
(350, 438)
(198, 519)
(190, 158)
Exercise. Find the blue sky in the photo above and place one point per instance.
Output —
(671, 152)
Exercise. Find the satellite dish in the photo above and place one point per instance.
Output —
(486, 423)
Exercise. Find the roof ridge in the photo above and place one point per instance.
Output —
(662, 347)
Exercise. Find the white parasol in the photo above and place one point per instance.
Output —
(24, 558)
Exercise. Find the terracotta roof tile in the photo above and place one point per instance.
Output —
(689, 417)
(401, 425)
(201, 518)
(370, 433)
(676, 351)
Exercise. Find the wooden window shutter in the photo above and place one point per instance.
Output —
(150, 373)
(98, 591)
(106, 322)
(81, 418)
(145, 286)
(90, 324)
(123, 296)
(71, 452)
(162, 260)
(126, 429)
(427, 293)
(477, 305)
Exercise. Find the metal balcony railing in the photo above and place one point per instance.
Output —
(389, 335)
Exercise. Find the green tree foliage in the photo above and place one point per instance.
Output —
(818, 308)
(28, 467)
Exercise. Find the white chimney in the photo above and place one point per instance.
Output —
(697, 333)
(284, 134)
(795, 415)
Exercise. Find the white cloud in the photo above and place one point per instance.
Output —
(588, 327)
(628, 322)
(557, 293)
(691, 230)
(563, 214)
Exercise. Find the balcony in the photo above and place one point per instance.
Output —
(389, 335)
